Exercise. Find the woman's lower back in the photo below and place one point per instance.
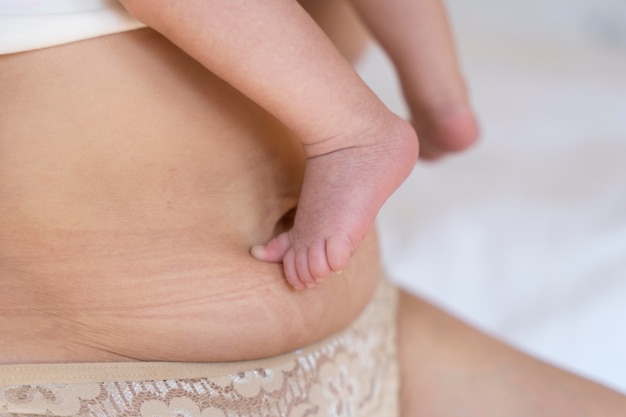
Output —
(132, 184)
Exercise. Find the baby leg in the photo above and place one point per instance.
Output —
(358, 152)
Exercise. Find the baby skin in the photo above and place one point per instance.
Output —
(342, 192)
(358, 152)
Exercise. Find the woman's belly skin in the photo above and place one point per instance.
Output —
(132, 185)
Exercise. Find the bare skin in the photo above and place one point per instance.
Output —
(449, 369)
(421, 46)
(357, 151)
(123, 237)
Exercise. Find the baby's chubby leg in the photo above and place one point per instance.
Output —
(358, 152)
(347, 179)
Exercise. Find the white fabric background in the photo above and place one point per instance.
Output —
(525, 236)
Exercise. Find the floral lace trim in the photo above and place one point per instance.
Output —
(353, 374)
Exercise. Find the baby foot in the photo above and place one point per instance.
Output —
(342, 192)
(445, 131)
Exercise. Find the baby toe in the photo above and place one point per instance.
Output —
(338, 252)
(302, 267)
(318, 262)
(291, 273)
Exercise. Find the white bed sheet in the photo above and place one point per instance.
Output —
(525, 236)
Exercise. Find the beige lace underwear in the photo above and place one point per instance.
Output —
(352, 374)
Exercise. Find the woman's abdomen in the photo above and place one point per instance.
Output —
(132, 185)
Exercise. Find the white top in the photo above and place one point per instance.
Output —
(33, 24)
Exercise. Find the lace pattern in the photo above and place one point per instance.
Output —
(351, 374)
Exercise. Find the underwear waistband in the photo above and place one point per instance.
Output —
(353, 372)
(377, 313)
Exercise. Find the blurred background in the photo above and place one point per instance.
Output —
(525, 235)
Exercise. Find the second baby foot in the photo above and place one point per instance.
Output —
(446, 132)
